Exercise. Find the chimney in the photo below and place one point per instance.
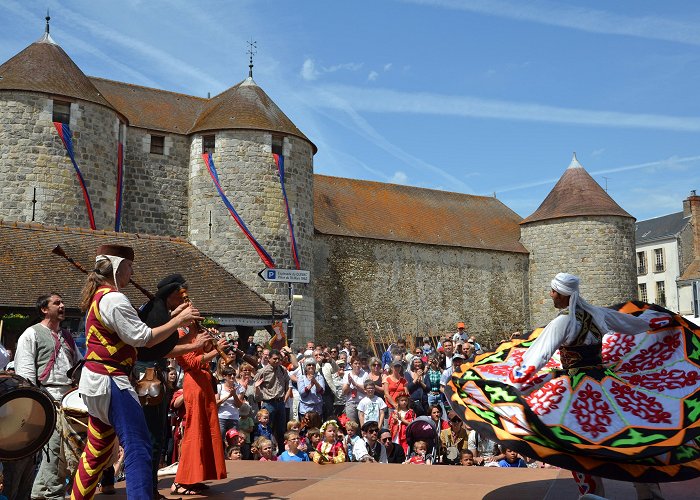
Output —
(686, 204)
(693, 208)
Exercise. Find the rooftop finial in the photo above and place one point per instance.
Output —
(574, 162)
(252, 45)
(48, 18)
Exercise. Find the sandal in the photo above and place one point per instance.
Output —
(182, 489)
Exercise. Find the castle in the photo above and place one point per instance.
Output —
(381, 256)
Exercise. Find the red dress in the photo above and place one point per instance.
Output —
(398, 429)
(202, 451)
(395, 388)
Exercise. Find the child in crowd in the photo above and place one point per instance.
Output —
(467, 458)
(399, 420)
(263, 428)
(512, 459)
(266, 453)
(292, 453)
(313, 437)
(351, 428)
(330, 450)
(246, 427)
(420, 456)
(371, 407)
(234, 453)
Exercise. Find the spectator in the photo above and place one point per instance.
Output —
(453, 440)
(467, 458)
(420, 456)
(252, 394)
(477, 346)
(273, 381)
(246, 427)
(337, 389)
(266, 454)
(395, 383)
(352, 428)
(235, 453)
(353, 388)
(368, 449)
(461, 335)
(310, 386)
(485, 451)
(229, 398)
(376, 375)
(399, 420)
(436, 416)
(416, 386)
(511, 459)
(394, 453)
(432, 381)
(457, 361)
(313, 438)
(330, 450)
(370, 408)
(292, 453)
(447, 353)
(427, 347)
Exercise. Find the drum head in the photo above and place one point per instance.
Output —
(27, 419)
(73, 404)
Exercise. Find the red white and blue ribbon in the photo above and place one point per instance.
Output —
(66, 136)
(120, 187)
(279, 161)
(264, 256)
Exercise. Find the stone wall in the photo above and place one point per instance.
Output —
(600, 251)
(155, 185)
(416, 289)
(32, 156)
(248, 176)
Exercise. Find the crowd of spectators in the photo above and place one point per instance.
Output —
(335, 403)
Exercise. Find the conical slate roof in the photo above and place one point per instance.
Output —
(576, 194)
(245, 106)
(45, 67)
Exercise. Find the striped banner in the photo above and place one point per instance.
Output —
(264, 256)
(279, 161)
(67, 137)
(120, 187)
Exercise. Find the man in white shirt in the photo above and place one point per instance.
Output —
(45, 353)
(369, 449)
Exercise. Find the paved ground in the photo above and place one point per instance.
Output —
(268, 480)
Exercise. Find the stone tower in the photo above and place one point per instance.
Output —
(38, 86)
(243, 127)
(579, 229)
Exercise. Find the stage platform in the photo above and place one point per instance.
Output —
(268, 480)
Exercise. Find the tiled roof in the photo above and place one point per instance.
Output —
(692, 272)
(29, 269)
(576, 194)
(149, 108)
(45, 67)
(365, 209)
(245, 106)
(658, 228)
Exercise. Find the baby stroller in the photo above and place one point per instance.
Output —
(423, 429)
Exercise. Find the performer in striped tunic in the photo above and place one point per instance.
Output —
(113, 331)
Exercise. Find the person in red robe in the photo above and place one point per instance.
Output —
(202, 451)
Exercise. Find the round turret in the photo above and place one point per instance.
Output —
(579, 229)
(242, 128)
(39, 86)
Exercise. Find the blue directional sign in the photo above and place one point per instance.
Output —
(285, 275)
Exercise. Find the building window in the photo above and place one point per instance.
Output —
(61, 112)
(641, 263)
(157, 144)
(643, 292)
(277, 145)
(659, 260)
(208, 144)
(661, 293)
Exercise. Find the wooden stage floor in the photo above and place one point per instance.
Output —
(268, 480)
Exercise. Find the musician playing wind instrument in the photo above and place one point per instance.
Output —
(113, 331)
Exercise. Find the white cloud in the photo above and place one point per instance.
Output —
(577, 18)
(399, 177)
(308, 70)
(422, 103)
(373, 75)
(343, 66)
(597, 152)
(388, 66)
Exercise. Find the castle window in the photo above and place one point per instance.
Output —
(661, 293)
(643, 292)
(277, 145)
(641, 263)
(157, 144)
(61, 112)
(208, 144)
(659, 260)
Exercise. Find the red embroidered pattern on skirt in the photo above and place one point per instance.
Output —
(591, 411)
(639, 404)
(665, 379)
(547, 398)
(615, 347)
(655, 356)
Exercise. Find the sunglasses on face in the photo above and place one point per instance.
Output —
(456, 421)
(372, 431)
(386, 439)
(376, 364)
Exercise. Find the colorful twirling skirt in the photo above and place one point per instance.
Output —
(635, 418)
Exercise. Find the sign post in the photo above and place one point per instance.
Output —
(289, 276)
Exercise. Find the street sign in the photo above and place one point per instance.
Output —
(285, 275)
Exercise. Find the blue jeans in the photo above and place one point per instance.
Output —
(278, 420)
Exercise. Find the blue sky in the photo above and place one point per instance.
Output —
(474, 96)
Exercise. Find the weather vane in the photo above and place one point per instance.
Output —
(252, 46)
